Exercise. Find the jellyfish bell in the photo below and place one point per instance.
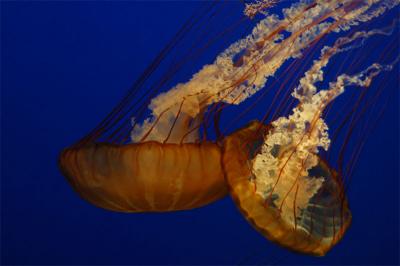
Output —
(299, 215)
(145, 177)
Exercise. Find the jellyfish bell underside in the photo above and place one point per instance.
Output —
(312, 229)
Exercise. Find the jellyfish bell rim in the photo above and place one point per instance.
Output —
(263, 217)
(95, 169)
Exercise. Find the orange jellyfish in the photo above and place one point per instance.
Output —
(153, 153)
(277, 178)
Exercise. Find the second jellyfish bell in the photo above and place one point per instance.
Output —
(303, 210)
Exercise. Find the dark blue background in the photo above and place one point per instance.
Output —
(64, 66)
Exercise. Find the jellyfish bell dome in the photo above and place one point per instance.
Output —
(145, 177)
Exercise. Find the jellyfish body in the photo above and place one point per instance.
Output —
(314, 228)
(145, 177)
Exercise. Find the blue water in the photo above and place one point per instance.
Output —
(63, 67)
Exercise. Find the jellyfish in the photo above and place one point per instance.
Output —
(277, 179)
(154, 151)
(279, 182)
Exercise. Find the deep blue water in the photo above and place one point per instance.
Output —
(63, 67)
